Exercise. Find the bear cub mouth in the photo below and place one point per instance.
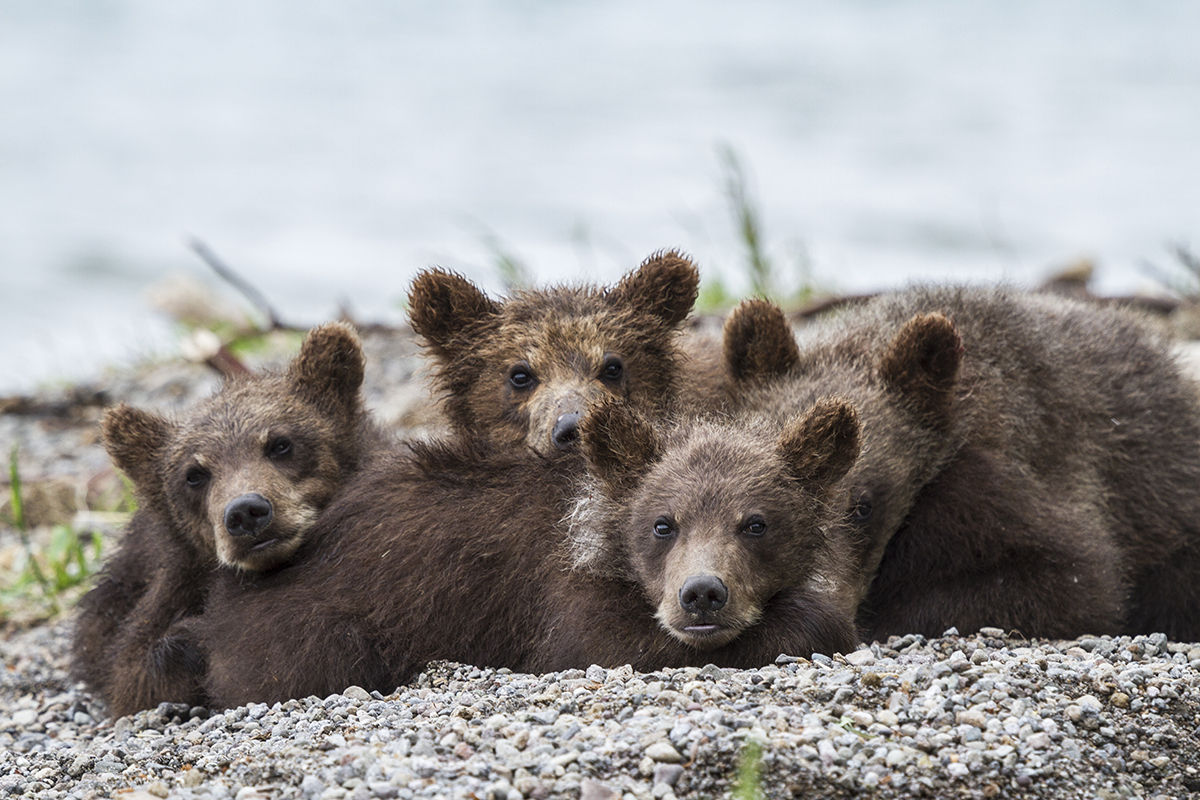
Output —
(702, 629)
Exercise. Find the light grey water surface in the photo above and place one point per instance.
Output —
(331, 150)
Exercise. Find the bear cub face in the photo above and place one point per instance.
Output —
(523, 371)
(716, 519)
(244, 476)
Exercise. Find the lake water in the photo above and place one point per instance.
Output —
(329, 151)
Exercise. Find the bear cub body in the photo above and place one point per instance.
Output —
(236, 485)
(1029, 462)
(454, 550)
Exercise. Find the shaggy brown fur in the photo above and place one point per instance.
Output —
(452, 551)
(1030, 463)
(523, 370)
(235, 485)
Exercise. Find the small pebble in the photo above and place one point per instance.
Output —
(663, 751)
(861, 658)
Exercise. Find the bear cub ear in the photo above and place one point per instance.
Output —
(758, 343)
(134, 440)
(442, 304)
(619, 444)
(330, 366)
(822, 445)
(922, 362)
(665, 286)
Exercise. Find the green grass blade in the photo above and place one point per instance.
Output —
(748, 783)
(18, 506)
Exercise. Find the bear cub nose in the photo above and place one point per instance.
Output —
(566, 430)
(703, 594)
(247, 515)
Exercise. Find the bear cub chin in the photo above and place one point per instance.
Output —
(235, 485)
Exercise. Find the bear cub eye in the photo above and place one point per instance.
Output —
(520, 376)
(280, 447)
(755, 526)
(196, 477)
(613, 369)
(664, 528)
(862, 509)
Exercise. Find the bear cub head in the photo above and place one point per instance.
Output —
(904, 384)
(524, 370)
(242, 478)
(715, 519)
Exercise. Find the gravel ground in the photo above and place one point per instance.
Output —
(975, 716)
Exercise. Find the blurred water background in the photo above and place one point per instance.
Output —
(328, 151)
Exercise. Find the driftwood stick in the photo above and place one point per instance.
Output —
(818, 307)
(249, 292)
(204, 345)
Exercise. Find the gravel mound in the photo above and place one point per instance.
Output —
(977, 716)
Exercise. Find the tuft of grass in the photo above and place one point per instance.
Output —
(748, 222)
(66, 562)
(747, 784)
(714, 297)
(1181, 280)
(1188, 286)
(763, 273)
(18, 519)
(513, 271)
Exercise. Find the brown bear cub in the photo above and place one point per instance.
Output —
(236, 486)
(726, 526)
(453, 551)
(1029, 462)
(523, 370)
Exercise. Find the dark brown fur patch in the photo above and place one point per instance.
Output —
(821, 446)
(921, 364)
(443, 306)
(665, 287)
(619, 445)
(135, 440)
(987, 545)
